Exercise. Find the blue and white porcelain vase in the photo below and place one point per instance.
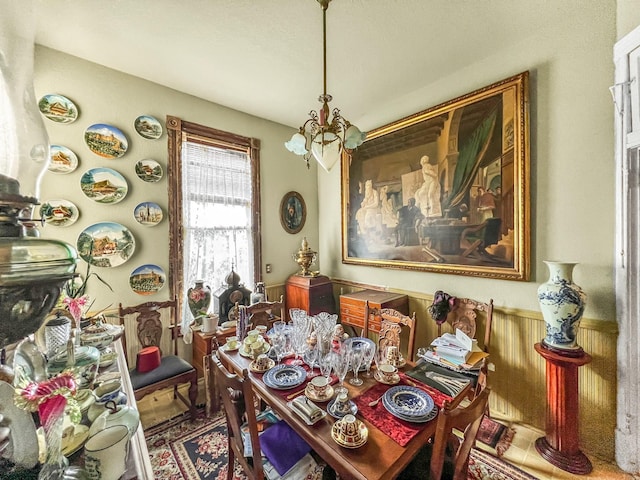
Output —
(562, 303)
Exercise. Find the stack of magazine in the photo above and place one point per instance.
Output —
(458, 351)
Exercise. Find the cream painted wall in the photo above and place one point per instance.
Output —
(107, 96)
(628, 16)
(572, 161)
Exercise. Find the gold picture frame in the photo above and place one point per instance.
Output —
(446, 189)
(293, 212)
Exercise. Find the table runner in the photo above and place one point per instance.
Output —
(398, 430)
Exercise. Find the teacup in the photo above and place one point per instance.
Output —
(388, 372)
(393, 355)
(105, 453)
(257, 347)
(232, 342)
(348, 429)
(252, 335)
(341, 404)
(262, 362)
(108, 390)
(319, 386)
(262, 329)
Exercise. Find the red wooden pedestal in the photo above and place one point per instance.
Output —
(561, 446)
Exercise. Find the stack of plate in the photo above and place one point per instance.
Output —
(410, 404)
(283, 377)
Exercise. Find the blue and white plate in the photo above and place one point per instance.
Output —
(407, 402)
(283, 377)
(286, 329)
(427, 418)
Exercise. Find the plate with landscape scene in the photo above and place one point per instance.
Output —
(148, 127)
(149, 170)
(104, 185)
(147, 279)
(58, 108)
(106, 141)
(62, 159)
(106, 244)
(148, 214)
(60, 213)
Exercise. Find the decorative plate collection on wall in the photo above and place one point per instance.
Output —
(147, 279)
(149, 170)
(104, 185)
(63, 160)
(60, 213)
(58, 108)
(148, 214)
(106, 244)
(148, 127)
(106, 140)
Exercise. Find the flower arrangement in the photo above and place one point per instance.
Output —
(443, 303)
(74, 297)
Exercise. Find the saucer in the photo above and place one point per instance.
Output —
(254, 367)
(378, 377)
(226, 348)
(265, 349)
(85, 399)
(401, 362)
(73, 443)
(310, 394)
(353, 409)
(363, 434)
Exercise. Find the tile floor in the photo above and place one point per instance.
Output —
(160, 406)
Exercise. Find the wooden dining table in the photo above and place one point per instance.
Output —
(381, 458)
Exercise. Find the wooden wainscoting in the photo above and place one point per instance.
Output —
(518, 382)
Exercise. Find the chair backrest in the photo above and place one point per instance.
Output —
(467, 314)
(465, 419)
(391, 323)
(262, 313)
(237, 399)
(149, 325)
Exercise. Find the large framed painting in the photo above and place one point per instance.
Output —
(446, 189)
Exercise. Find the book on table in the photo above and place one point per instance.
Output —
(457, 350)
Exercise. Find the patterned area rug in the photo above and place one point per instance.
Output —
(184, 450)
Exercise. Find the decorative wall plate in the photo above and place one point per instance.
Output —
(104, 185)
(149, 170)
(106, 140)
(60, 213)
(147, 279)
(58, 108)
(148, 127)
(106, 244)
(63, 160)
(148, 214)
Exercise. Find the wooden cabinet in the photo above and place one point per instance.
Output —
(352, 307)
(203, 345)
(312, 294)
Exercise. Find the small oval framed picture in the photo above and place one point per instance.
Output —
(293, 212)
(147, 279)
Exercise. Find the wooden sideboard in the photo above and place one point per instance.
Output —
(352, 307)
(312, 294)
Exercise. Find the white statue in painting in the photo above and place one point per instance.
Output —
(367, 214)
(428, 195)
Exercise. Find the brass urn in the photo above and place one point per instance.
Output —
(305, 258)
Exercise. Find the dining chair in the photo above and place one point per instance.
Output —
(448, 456)
(391, 324)
(473, 317)
(238, 402)
(172, 370)
(265, 313)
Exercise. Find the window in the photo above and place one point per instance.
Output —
(214, 208)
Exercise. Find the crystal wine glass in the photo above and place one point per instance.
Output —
(341, 367)
(368, 352)
(311, 356)
(355, 361)
(325, 364)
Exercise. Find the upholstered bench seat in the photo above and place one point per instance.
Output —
(170, 366)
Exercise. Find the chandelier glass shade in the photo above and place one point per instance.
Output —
(326, 134)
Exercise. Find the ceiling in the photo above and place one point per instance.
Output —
(264, 57)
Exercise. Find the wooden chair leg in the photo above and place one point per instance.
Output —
(193, 396)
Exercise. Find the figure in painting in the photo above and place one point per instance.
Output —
(486, 203)
(387, 209)
(428, 195)
(292, 218)
(407, 217)
(366, 216)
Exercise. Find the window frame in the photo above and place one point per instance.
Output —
(177, 130)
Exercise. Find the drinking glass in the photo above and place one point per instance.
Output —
(298, 343)
(355, 361)
(311, 356)
(368, 352)
(279, 341)
(341, 367)
(325, 364)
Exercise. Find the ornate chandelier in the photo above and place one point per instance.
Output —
(323, 136)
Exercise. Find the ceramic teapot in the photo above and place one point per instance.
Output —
(116, 415)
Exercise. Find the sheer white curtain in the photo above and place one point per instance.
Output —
(216, 184)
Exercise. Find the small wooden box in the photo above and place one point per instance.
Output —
(352, 307)
(312, 294)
